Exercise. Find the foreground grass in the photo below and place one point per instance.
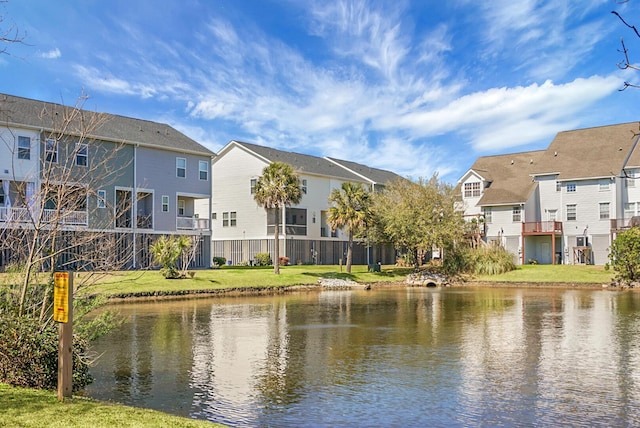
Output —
(20, 407)
(566, 274)
(139, 282)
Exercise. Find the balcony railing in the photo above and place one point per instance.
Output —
(192, 223)
(532, 227)
(624, 223)
(21, 215)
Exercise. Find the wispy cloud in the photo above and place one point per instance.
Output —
(51, 54)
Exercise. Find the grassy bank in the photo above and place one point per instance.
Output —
(151, 283)
(34, 408)
(564, 274)
(121, 284)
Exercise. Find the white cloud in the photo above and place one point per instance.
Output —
(51, 54)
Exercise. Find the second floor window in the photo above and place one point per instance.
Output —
(471, 190)
(517, 214)
(604, 210)
(229, 219)
(203, 169)
(629, 209)
(571, 212)
(571, 187)
(181, 207)
(253, 185)
(488, 215)
(82, 158)
(51, 150)
(102, 199)
(24, 147)
(165, 203)
(303, 188)
(181, 167)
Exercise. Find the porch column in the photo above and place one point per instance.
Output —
(553, 247)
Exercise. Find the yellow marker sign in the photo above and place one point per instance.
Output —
(61, 296)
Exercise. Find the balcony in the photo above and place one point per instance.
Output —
(624, 223)
(541, 227)
(192, 223)
(21, 215)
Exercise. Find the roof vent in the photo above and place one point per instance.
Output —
(511, 161)
(555, 153)
(620, 149)
(531, 161)
(140, 127)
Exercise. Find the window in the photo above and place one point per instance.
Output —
(571, 212)
(24, 147)
(571, 187)
(552, 215)
(603, 185)
(81, 154)
(165, 203)
(181, 167)
(304, 187)
(1, 194)
(629, 209)
(632, 174)
(203, 169)
(253, 185)
(516, 214)
(180, 206)
(471, 190)
(214, 216)
(604, 210)
(488, 215)
(51, 150)
(558, 186)
(229, 219)
(101, 199)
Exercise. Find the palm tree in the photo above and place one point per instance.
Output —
(351, 209)
(277, 188)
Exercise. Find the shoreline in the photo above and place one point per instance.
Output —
(279, 290)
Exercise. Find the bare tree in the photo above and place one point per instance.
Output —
(56, 217)
(626, 63)
(9, 32)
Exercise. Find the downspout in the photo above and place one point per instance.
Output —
(134, 203)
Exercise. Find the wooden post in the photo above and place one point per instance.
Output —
(63, 314)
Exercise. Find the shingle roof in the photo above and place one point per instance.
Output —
(314, 164)
(591, 152)
(42, 115)
(374, 175)
(510, 175)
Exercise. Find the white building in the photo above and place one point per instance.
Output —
(564, 204)
(241, 228)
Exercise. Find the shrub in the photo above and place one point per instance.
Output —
(492, 261)
(263, 259)
(219, 261)
(625, 255)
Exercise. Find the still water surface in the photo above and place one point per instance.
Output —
(401, 357)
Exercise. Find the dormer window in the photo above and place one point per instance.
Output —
(472, 190)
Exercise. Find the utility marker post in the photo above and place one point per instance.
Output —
(63, 314)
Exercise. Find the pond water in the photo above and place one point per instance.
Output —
(386, 357)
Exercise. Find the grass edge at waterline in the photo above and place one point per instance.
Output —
(26, 407)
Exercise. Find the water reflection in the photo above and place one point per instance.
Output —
(414, 357)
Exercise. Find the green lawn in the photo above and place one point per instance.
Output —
(140, 282)
(569, 274)
(20, 407)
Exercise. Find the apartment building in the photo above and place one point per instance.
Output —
(564, 204)
(109, 178)
(241, 228)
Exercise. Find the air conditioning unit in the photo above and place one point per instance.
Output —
(582, 241)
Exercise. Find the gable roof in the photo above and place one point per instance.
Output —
(315, 165)
(591, 152)
(25, 112)
(511, 181)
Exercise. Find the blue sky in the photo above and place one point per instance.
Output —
(415, 87)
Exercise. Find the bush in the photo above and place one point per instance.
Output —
(263, 259)
(219, 261)
(625, 255)
(480, 261)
